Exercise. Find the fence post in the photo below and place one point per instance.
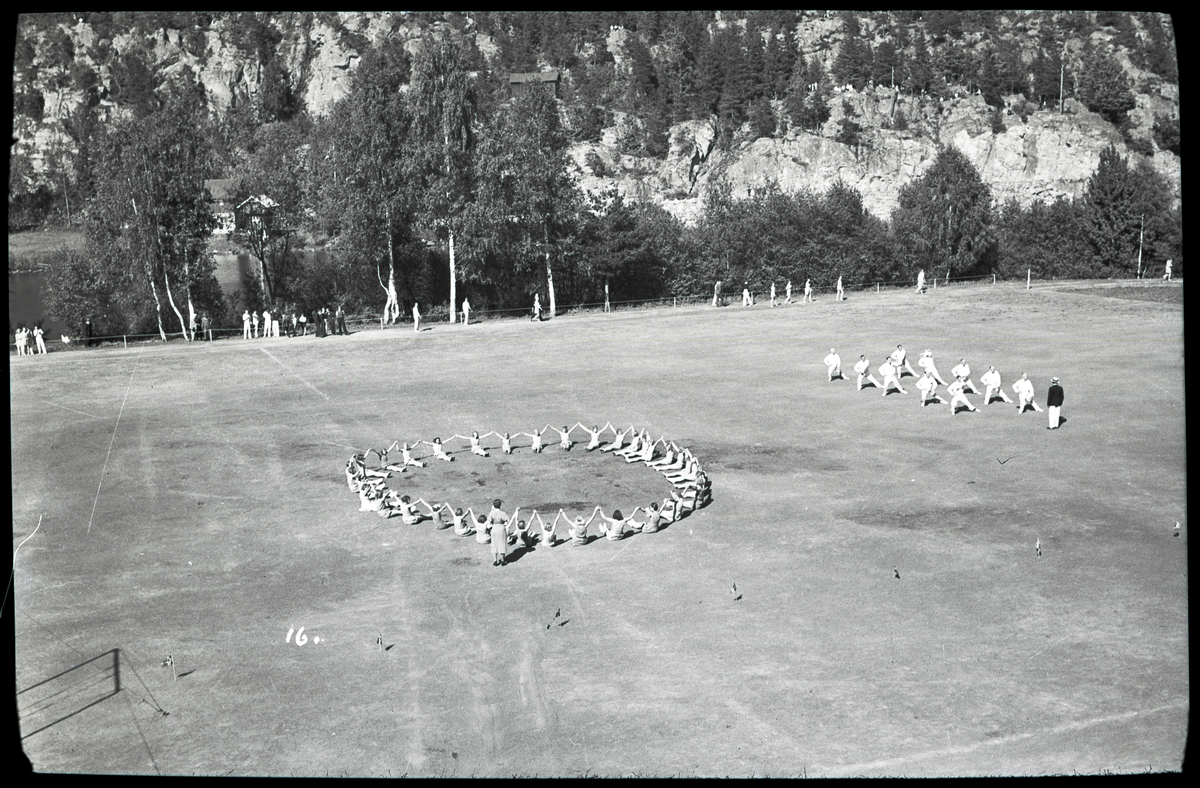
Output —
(1028, 274)
(993, 280)
(876, 287)
(125, 340)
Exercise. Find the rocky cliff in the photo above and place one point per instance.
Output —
(1038, 157)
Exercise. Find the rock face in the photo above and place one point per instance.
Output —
(1039, 158)
(1046, 156)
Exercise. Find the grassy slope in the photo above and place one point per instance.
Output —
(223, 519)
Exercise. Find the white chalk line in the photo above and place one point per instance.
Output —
(12, 572)
(859, 768)
(293, 374)
(64, 407)
(96, 500)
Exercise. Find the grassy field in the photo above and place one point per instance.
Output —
(190, 501)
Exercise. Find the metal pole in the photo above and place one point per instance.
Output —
(1028, 275)
(1141, 235)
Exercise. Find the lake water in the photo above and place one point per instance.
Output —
(27, 305)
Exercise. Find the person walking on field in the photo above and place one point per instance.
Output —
(38, 337)
(808, 296)
(717, 293)
(537, 308)
(841, 294)
(863, 368)
(416, 317)
(1054, 401)
(788, 293)
(1023, 388)
(746, 295)
(466, 310)
(772, 294)
(921, 281)
(246, 324)
(1167, 271)
(991, 387)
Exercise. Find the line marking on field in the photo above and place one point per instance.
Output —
(857, 769)
(113, 438)
(351, 448)
(64, 407)
(12, 572)
(293, 374)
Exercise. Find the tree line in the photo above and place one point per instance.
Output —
(428, 184)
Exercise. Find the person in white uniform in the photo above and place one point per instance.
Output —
(808, 296)
(899, 358)
(863, 368)
(746, 295)
(246, 324)
(927, 385)
(1023, 388)
(963, 370)
(841, 294)
(992, 387)
(891, 380)
(925, 362)
(833, 365)
(957, 395)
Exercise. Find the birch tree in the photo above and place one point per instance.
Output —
(151, 207)
(365, 166)
(444, 110)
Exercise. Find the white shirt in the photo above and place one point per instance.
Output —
(991, 378)
(833, 360)
(862, 366)
(927, 383)
(955, 388)
(962, 370)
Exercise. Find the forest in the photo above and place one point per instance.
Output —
(431, 181)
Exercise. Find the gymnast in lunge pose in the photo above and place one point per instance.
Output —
(536, 437)
(925, 362)
(595, 432)
(962, 370)
(863, 368)
(618, 439)
(438, 450)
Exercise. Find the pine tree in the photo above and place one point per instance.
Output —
(853, 63)
(920, 72)
(1104, 87)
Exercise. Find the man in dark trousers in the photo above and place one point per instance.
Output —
(1054, 401)
(341, 321)
(87, 330)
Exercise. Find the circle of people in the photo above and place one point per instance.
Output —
(892, 369)
(692, 490)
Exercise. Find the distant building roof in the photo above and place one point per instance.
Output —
(221, 188)
(533, 76)
(261, 199)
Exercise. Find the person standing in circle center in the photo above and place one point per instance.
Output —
(1054, 401)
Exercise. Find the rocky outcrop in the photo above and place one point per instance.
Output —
(1040, 157)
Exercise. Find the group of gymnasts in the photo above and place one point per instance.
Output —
(691, 489)
(892, 369)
